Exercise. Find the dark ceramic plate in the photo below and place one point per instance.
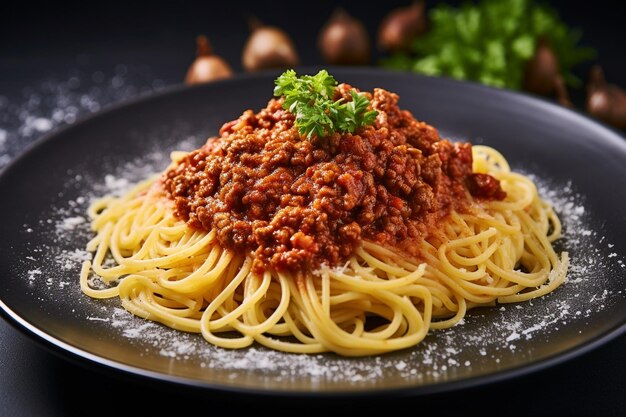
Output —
(579, 165)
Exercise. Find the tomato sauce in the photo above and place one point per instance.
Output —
(297, 203)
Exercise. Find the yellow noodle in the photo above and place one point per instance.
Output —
(379, 301)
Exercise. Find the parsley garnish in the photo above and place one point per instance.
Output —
(491, 41)
(310, 98)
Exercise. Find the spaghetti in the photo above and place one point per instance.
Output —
(384, 295)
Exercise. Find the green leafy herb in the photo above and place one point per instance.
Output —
(310, 98)
(490, 42)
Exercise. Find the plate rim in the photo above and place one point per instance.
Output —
(83, 357)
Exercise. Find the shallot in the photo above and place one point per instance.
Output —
(344, 40)
(207, 66)
(541, 70)
(268, 47)
(606, 101)
(402, 26)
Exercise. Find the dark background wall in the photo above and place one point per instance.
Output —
(39, 38)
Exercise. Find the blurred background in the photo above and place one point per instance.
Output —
(152, 43)
(60, 61)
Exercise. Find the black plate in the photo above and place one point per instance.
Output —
(579, 165)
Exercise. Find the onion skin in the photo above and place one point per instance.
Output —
(605, 101)
(343, 40)
(560, 90)
(542, 70)
(401, 27)
(268, 47)
(206, 67)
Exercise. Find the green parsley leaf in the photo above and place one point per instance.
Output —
(310, 98)
(490, 41)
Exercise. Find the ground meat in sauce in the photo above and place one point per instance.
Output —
(297, 203)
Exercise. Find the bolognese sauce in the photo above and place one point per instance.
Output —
(298, 202)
